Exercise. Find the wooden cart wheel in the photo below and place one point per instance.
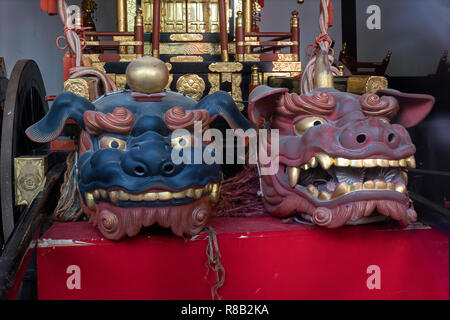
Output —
(24, 105)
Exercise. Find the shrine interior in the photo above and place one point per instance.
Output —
(94, 95)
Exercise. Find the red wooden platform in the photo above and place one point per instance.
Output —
(263, 259)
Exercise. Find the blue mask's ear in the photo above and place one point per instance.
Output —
(220, 103)
(66, 106)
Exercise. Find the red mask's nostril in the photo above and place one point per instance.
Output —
(391, 137)
(361, 138)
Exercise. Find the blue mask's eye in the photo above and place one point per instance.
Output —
(108, 142)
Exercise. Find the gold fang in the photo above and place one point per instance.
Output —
(293, 173)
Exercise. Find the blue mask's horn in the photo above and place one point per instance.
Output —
(222, 104)
(66, 106)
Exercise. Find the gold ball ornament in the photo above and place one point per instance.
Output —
(147, 75)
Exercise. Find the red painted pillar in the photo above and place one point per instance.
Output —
(50, 6)
(295, 34)
(156, 27)
(240, 37)
(68, 63)
(223, 30)
(139, 32)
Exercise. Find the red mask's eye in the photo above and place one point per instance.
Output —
(304, 124)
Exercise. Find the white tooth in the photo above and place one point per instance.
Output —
(400, 187)
(90, 200)
(402, 163)
(356, 163)
(96, 194)
(103, 193)
(411, 162)
(214, 197)
(324, 160)
(383, 163)
(405, 177)
(114, 196)
(323, 195)
(198, 192)
(393, 163)
(370, 163)
(136, 197)
(342, 162)
(293, 173)
(123, 196)
(313, 162)
(150, 196)
(179, 195)
(164, 196)
(215, 188)
(312, 190)
(190, 193)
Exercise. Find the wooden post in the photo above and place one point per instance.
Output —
(139, 32)
(295, 35)
(247, 7)
(122, 23)
(239, 37)
(156, 27)
(223, 30)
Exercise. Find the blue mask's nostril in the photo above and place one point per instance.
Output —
(168, 168)
(139, 171)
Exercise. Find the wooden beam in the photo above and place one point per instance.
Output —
(348, 9)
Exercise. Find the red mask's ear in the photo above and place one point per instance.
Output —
(262, 102)
(413, 107)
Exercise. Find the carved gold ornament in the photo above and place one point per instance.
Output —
(376, 83)
(80, 87)
(192, 85)
(225, 67)
(186, 37)
(29, 173)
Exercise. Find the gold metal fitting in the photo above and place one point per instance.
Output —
(255, 76)
(294, 19)
(239, 19)
(139, 19)
(147, 75)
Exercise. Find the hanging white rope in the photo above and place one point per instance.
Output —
(322, 43)
(71, 35)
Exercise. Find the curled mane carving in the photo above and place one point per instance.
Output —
(178, 118)
(373, 105)
(121, 121)
(320, 103)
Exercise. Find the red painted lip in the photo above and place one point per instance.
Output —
(348, 198)
(302, 160)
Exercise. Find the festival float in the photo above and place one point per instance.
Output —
(90, 185)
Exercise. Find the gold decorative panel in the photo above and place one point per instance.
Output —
(30, 177)
(189, 48)
(225, 67)
(192, 85)
(80, 87)
(178, 16)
